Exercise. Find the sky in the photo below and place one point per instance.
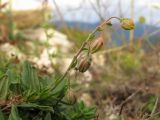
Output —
(144, 8)
(81, 10)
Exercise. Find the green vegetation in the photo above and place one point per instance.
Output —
(28, 95)
(37, 82)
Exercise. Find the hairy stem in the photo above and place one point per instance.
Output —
(81, 49)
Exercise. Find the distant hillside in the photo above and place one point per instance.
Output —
(79, 25)
(118, 35)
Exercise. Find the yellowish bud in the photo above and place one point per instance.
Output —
(127, 24)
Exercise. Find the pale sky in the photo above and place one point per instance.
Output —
(142, 8)
(81, 10)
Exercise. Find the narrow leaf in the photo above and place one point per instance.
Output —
(14, 114)
(48, 117)
(1, 116)
(29, 77)
(36, 106)
(4, 86)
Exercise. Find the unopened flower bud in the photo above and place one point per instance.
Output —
(97, 44)
(127, 24)
(84, 63)
(71, 97)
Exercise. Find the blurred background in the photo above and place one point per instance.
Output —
(124, 75)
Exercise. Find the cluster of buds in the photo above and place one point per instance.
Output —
(84, 60)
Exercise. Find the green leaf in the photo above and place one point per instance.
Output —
(60, 89)
(142, 20)
(46, 25)
(12, 75)
(29, 77)
(15, 88)
(1, 116)
(4, 87)
(14, 114)
(44, 81)
(80, 112)
(36, 106)
(54, 94)
(15, 85)
(48, 116)
(81, 105)
(74, 64)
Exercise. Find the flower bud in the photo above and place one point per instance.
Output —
(127, 24)
(97, 44)
(84, 63)
(71, 97)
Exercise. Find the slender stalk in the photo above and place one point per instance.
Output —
(131, 37)
(81, 49)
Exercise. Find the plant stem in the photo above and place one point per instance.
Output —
(81, 49)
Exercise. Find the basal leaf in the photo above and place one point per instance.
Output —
(4, 87)
(14, 114)
(1, 116)
(80, 112)
(48, 116)
(15, 85)
(36, 106)
(12, 75)
(59, 90)
(29, 77)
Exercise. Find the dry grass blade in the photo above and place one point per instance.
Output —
(127, 100)
(152, 115)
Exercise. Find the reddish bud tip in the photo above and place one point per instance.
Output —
(97, 44)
